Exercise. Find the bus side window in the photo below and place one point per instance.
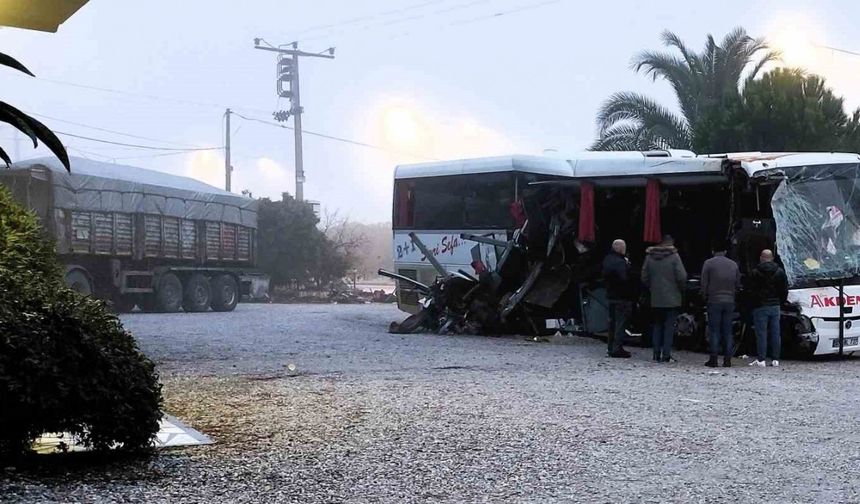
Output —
(487, 200)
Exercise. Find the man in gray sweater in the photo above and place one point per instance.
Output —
(721, 280)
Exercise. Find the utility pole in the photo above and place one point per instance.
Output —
(288, 73)
(296, 103)
(228, 168)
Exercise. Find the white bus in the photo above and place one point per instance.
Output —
(804, 205)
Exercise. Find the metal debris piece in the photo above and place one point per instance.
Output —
(431, 258)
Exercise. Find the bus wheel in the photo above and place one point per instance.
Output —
(225, 293)
(197, 294)
(168, 296)
(79, 282)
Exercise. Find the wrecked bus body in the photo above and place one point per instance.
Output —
(554, 220)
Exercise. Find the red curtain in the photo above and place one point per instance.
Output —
(405, 209)
(518, 213)
(586, 212)
(653, 233)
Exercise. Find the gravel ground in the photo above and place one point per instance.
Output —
(373, 417)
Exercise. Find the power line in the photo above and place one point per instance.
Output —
(495, 15)
(142, 95)
(82, 152)
(836, 49)
(515, 10)
(197, 148)
(137, 146)
(373, 26)
(364, 18)
(163, 154)
(96, 128)
(332, 137)
(127, 93)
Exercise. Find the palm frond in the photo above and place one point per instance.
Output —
(658, 64)
(628, 106)
(769, 57)
(736, 40)
(672, 40)
(651, 119)
(9, 116)
(755, 45)
(623, 137)
(11, 62)
(35, 130)
(5, 157)
(685, 80)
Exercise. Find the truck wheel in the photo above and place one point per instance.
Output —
(197, 294)
(79, 282)
(225, 293)
(168, 296)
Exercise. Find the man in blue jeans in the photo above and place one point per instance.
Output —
(665, 277)
(769, 289)
(721, 279)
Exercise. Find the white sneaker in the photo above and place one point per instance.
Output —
(759, 363)
(774, 363)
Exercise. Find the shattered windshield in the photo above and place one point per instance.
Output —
(817, 214)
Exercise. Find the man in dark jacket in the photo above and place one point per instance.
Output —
(768, 288)
(620, 293)
(721, 279)
(664, 275)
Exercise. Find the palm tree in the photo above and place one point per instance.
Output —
(632, 121)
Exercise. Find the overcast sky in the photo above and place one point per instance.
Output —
(424, 79)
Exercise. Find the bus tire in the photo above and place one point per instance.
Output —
(168, 296)
(225, 293)
(78, 280)
(197, 294)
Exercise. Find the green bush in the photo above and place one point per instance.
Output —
(66, 363)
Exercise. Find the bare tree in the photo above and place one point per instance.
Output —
(345, 236)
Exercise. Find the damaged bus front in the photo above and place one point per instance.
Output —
(815, 207)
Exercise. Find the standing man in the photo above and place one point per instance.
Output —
(664, 275)
(721, 279)
(769, 288)
(620, 293)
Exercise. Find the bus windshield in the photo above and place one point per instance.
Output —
(473, 201)
(817, 214)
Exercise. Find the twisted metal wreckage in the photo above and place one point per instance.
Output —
(531, 282)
